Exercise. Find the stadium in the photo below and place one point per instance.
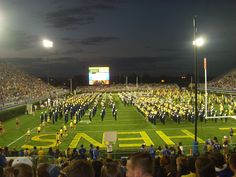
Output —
(106, 122)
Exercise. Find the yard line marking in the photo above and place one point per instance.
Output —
(19, 138)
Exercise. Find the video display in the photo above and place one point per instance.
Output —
(99, 75)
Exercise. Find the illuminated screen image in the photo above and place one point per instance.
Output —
(99, 75)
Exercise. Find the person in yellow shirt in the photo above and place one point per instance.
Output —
(61, 133)
(28, 134)
(57, 139)
(43, 124)
(39, 129)
(65, 130)
(48, 121)
(41, 154)
(71, 125)
(74, 122)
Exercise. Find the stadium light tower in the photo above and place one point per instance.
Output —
(1, 22)
(197, 42)
(1, 19)
(47, 44)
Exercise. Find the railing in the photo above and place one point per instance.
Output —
(14, 104)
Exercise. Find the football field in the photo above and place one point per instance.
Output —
(131, 126)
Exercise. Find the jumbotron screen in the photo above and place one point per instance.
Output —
(99, 75)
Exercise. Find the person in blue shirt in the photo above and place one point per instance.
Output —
(151, 151)
(96, 153)
(82, 152)
(91, 150)
(221, 167)
(3, 160)
(166, 151)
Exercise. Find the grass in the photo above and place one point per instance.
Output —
(129, 120)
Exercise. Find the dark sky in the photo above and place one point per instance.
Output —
(140, 36)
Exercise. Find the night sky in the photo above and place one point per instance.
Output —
(130, 36)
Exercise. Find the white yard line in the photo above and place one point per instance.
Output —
(19, 138)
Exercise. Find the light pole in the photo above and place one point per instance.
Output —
(197, 42)
(47, 44)
(71, 85)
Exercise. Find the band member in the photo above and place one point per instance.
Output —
(17, 123)
(115, 114)
(61, 133)
(231, 133)
(57, 139)
(1, 128)
(71, 125)
(65, 130)
(74, 122)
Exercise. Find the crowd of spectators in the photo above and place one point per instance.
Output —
(148, 162)
(17, 86)
(227, 81)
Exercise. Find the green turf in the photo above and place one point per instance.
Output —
(129, 119)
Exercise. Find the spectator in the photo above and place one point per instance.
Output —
(1, 172)
(191, 167)
(205, 167)
(9, 163)
(221, 167)
(14, 152)
(81, 168)
(171, 168)
(75, 154)
(180, 149)
(50, 152)
(227, 81)
(97, 166)
(111, 169)
(96, 153)
(91, 150)
(159, 170)
(82, 152)
(34, 151)
(19, 170)
(123, 166)
(140, 164)
(46, 170)
(143, 148)
(181, 163)
(15, 87)
(151, 150)
(3, 161)
(165, 151)
(41, 154)
(232, 163)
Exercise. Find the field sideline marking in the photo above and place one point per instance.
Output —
(91, 131)
(19, 138)
(148, 129)
(112, 125)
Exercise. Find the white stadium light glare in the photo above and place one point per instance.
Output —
(47, 43)
(199, 42)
